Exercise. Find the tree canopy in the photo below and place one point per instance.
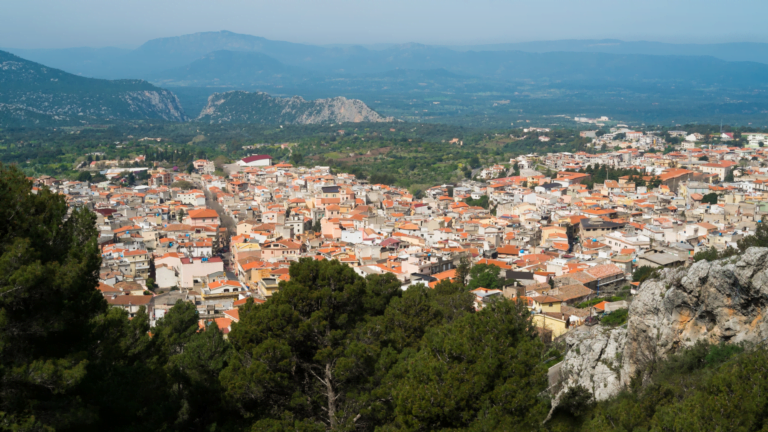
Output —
(485, 276)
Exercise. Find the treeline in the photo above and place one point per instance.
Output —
(601, 173)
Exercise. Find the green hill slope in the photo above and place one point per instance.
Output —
(31, 93)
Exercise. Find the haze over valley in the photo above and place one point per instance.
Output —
(489, 85)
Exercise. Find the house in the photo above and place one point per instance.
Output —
(656, 259)
(547, 315)
(485, 296)
(597, 227)
(193, 270)
(255, 160)
(223, 290)
(166, 276)
(138, 262)
(207, 217)
(130, 303)
(268, 286)
(720, 169)
(280, 249)
(609, 276)
(567, 294)
(204, 166)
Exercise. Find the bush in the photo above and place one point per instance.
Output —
(588, 303)
(615, 318)
(710, 198)
(576, 401)
(710, 254)
(645, 272)
(183, 184)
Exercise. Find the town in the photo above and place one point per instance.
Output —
(542, 226)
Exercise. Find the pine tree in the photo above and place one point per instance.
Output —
(49, 267)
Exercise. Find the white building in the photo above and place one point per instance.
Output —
(255, 160)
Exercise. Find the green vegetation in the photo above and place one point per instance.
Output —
(78, 365)
(615, 318)
(588, 303)
(482, 202)
(704, 387)
(485, 276)
(710, 198)
(710, 254)
(602, 173)
(183, 184)
(645, 272)
(36, 95)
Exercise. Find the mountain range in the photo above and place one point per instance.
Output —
(166, 54)
(587, 76)
(33, 94)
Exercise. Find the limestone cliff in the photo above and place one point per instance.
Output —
(720, 301)
(245, 107)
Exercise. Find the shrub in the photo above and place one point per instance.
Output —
(615, 318)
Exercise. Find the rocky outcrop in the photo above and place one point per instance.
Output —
(155, 104)
(594, 360)
(720, 301)
(245, 107)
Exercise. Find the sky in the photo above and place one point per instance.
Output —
(129, 23)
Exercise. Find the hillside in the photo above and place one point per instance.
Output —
(245, 107)
(31, 93)
(233, 68)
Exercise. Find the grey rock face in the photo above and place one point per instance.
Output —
(155, 104)
(721, 301)
(594, 360)
(244, 107)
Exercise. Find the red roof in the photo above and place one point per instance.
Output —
(203, 214)
(253, 158)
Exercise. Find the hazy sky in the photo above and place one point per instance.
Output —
(129, 23)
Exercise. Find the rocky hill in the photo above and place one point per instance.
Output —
(31, 93)
(720, 301)
(245, 107)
